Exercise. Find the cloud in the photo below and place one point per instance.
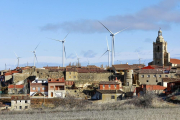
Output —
(71, 56)
(89, 54)
(150, 18)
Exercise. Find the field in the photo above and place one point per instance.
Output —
(124, 114)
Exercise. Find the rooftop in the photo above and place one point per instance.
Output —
(170, 79)
(108, 83)
(110, 91)
(15, 86)
(175, 61)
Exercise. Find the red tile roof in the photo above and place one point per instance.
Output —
(59, 80)
(16, 86)
(175, 61)
(148, 67)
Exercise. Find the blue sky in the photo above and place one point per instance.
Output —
(24, 24)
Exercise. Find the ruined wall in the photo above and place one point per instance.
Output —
(44, 73)
(20, 77)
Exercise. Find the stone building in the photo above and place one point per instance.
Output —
(16, 89)
(160, 55)
(20, 102)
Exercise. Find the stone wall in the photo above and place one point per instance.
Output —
(20, 77)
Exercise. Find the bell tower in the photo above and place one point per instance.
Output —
(160, 55)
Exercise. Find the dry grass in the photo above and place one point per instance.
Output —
(128, 114)
(72, 109)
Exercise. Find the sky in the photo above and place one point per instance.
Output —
(25, 24)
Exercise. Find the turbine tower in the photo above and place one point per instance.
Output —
(108, 50)
(17, 59)
(78, 59)
(63, 49)
(35, 58)
(139, 59)
(112, 48)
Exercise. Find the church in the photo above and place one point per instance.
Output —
(161, 57)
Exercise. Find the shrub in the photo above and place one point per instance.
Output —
(144, 100)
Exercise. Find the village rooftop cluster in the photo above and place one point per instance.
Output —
(21, 87)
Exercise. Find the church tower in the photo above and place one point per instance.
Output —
(160, 55)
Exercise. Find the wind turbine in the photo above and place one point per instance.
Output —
(112, 48)
(63, 47)
(139, 58)
(35, 58)
(108, 53)
(17, 59)
(77, 59)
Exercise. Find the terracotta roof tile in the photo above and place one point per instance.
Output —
(175, 61)
(16, 86)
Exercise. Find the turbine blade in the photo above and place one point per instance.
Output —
(76, 55)
(15, 54)
(55, 39)
(138, 55)
(65, 37)
(104, 53)
(121, 31)
(105, 27)
(37, 46)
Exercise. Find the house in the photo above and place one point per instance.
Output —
(108, 95)
(165, 81)
(142, 89)
(56, 88)
(174, 62)
(109, 91)
(152, 76)
(15, 89)
(20, 102)
(39, 87)
(109, 85)
(173, 87)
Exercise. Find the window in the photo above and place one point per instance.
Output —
(20, 107)
(115, 86)
(112, 97)
(103, 86)
(52, 87)
(166, 75)
(74, 76)
(70, 73)
(33, 88)
(25, 101)
(154, 75)
(158, 48)
(43, 88)
(156, 80)
(20, 100)
(109, 86)
(148, 76)
(159, 75)
(147, 81)
(26, 107)
(142, 76)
